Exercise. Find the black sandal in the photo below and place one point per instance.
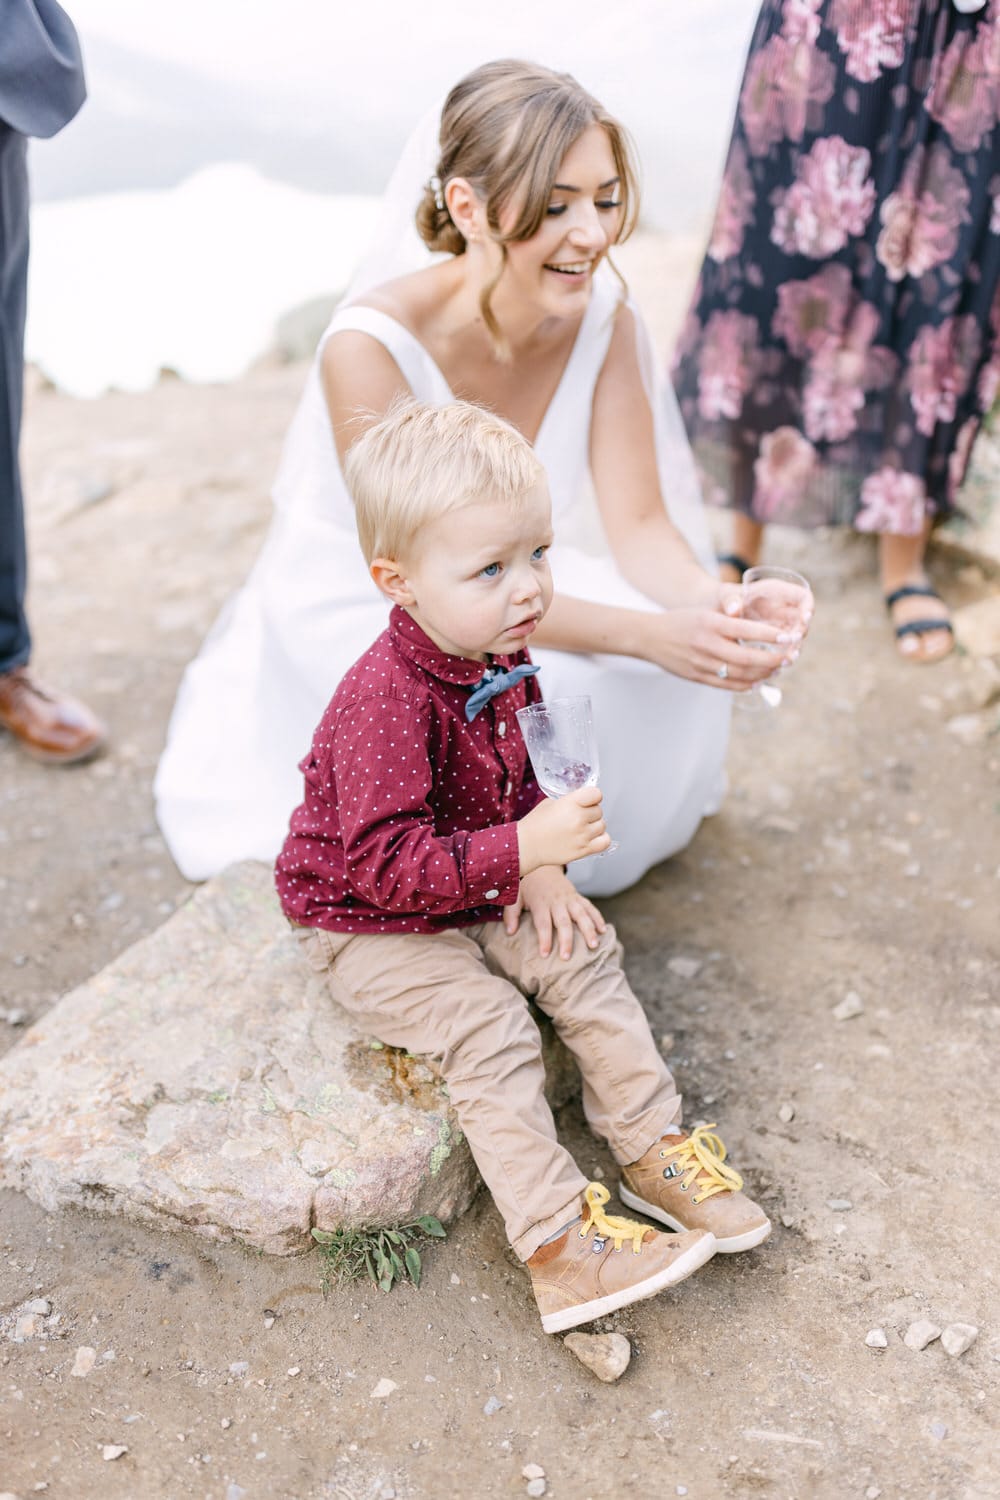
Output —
(918, 627)
(733, 560)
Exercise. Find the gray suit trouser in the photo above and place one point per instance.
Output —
(15, 640)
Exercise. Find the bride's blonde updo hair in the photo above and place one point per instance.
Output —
(506, 127)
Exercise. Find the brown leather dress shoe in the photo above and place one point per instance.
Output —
(48, 725)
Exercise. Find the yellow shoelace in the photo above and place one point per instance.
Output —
(701, 1159)
(610, 1226)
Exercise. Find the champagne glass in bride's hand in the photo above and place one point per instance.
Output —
(780, 597)
(562, 747)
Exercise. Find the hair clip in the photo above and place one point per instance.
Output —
(437, 189)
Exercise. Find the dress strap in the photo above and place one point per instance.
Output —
(416, 366)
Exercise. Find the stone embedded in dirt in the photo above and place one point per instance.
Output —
(786, 1113)
(205, 1079)
(40, 1305)
(958, 1337)
(532, 1471)
(535, 1488)
(239, 1368)
(851, 1005)
(970, 729)
(939, 1430)
(491, 1406)
(684, 968)
(921, 1333)
(875, 1339)
(113, 1450)
(839, 1205)
(84, 1362)
(977, 627)
(606, 1354)
(383, 1389)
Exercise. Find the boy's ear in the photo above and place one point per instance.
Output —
(388, 576)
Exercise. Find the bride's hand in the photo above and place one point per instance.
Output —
(703, 644)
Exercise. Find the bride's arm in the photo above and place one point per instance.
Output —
(697, 630)
(360, 382)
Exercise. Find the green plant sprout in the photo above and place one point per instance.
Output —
(385, 1256)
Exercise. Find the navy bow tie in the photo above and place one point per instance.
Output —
(496, 680)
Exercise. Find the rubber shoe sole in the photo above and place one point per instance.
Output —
(729, 1245)
(585, 1312)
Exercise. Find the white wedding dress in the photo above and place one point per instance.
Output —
(249, 702)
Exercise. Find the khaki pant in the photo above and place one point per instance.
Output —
(458, 996)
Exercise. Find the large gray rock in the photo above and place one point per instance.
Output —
(205, 1079)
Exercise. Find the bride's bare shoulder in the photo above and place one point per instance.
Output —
(411, 300)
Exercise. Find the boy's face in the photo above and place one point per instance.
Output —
(477, 580)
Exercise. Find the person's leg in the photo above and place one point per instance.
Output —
(901, 566)
(629, 1096)
(50, 726)
(15, 641)
(434, 995)
(746, 537)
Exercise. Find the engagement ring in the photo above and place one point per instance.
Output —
(722, 671)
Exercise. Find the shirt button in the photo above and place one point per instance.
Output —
(508, 789)
(502, 728)
(492, 895)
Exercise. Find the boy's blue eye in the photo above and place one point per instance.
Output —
(491, 570)
(538, 554)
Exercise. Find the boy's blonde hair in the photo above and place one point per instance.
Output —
(420, 462)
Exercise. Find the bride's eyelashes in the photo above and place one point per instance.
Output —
(555, 209)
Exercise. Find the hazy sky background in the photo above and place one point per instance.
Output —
(322, 94)
(200, 193)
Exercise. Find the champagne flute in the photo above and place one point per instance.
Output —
(777, 596)
(562, 747)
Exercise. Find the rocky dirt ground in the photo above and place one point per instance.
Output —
(858, 853)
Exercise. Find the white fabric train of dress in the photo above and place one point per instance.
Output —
(249, 702)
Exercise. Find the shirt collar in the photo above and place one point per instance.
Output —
(416, 646)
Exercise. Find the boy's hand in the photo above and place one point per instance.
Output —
(562, 829)
(555, 905)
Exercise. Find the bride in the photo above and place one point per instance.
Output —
(527, 187)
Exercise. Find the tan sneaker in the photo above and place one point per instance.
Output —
(684, 1182)
(607, 1262)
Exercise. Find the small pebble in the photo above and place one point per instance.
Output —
(684, 968)
(872, 1492)
(295, 1370)
(786, 1113)
(958, 1337)
(41, 1306)
(113, 1450)
(840, 1205)
(84, 1361)
(270, 1317)
(492, 1406)
(606, 1354)
(226, 1423)
(239, 1367)
(851, 1005)
(939, 1430)
(921, 1333)
(876, 1339)
(383, 1389)
(535, 1487)
(532, 1471)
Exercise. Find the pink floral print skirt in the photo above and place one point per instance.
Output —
(843, 344)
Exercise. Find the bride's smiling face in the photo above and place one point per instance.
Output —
(583, 218)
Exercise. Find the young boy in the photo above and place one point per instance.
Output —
(426, 868)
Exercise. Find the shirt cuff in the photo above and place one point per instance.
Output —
(493, 866)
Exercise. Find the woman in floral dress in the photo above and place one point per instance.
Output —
(844, 341)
